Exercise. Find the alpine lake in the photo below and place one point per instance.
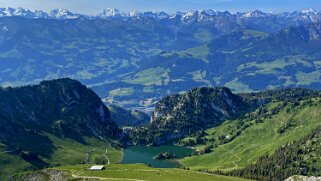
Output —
(147, 154)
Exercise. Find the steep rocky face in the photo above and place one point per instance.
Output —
(62, 107)
(200, 102)
(46, 174)
(303, 178)
(181, 114)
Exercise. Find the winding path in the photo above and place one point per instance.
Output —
(105, 155)
(103, 178)
(234, 162)
(91, 151)
(74, 175)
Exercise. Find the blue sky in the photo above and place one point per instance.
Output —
(95, 6)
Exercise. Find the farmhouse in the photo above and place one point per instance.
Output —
(97, 167)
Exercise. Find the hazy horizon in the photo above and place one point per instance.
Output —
(94, 7)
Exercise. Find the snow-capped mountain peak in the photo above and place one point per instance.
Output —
(309, 11)
(16, 12)
(190, 14)
(6, 12)
(40, 14)
(111, 13)
(255, 13)
(308, 15)
(63, 14)
(135, 13)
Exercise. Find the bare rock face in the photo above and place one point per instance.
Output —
(303, 178)
(46, 174)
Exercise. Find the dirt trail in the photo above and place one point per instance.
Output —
(92, 151)
(105, 155)
(234, 162)
(103, 178)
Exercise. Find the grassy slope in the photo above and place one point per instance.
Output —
(66, 152)
(16, 163)
(259, 139)
(142, 172)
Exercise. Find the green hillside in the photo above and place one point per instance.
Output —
(242, 142)
(301, 157)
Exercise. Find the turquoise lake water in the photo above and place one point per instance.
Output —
(145, 154)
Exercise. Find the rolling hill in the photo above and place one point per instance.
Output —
(301, 157)
(238, 143)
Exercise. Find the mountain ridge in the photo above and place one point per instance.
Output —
(311, 14)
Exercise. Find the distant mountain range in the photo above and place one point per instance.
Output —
(133, 59)
(308, 15)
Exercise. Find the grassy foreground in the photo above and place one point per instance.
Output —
(133, 172)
